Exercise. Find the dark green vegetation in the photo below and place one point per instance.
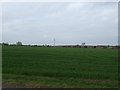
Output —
(59, 67)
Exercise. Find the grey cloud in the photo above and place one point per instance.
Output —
(69, 23)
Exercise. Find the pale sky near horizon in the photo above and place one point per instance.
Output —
(68, 23)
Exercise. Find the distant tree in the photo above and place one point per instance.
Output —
(19, 43)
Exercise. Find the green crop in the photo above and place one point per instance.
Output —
(60, 66)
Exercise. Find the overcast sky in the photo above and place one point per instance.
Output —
(68, 23)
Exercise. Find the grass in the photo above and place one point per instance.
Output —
(0, 66)
(60, 67)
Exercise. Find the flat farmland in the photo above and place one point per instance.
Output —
(52, 67)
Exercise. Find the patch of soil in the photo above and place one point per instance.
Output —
(95, 80)
(14, 85)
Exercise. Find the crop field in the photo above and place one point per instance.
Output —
(59, 67)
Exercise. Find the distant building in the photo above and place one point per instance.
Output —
(83, 44)
(19, 43)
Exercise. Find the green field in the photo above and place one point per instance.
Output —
(25, 66)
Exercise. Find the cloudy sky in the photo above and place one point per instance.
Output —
(69, 23)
